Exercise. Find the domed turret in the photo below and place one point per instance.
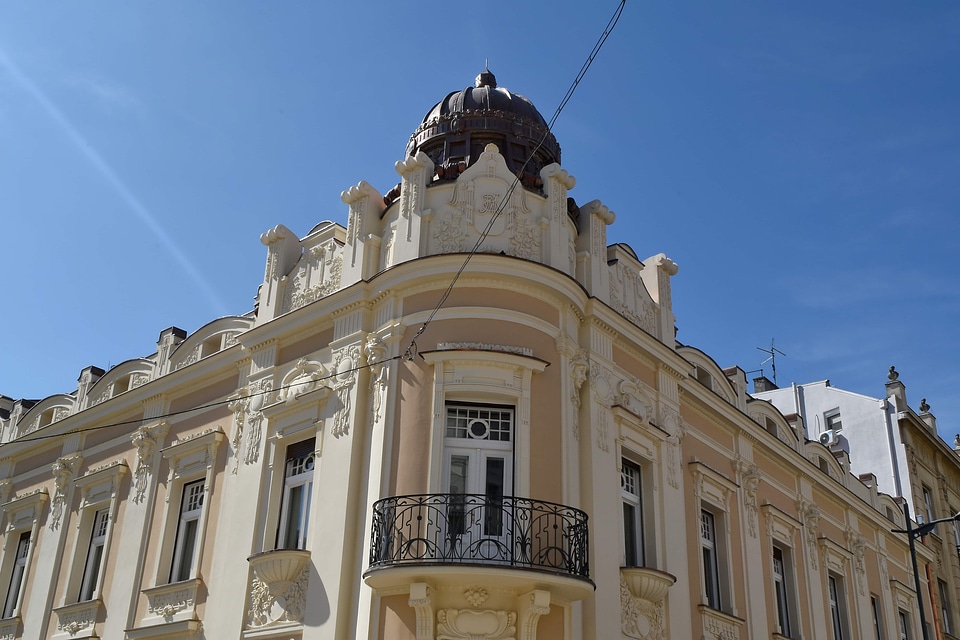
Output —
(456, 130)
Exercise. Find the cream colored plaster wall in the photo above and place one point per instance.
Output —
(218, 390)
(720, 438)
(398, 620)
(291, 352)
(412, 424)
(636, 368)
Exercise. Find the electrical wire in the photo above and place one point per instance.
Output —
(412, 347)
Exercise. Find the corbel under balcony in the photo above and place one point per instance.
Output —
(647, 584)
(78, 620)
(277, 592)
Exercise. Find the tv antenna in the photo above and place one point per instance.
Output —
(772, 352)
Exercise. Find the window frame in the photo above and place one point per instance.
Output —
(946, 615)
(837, 606)
(876, 612)
(291, 483)
(188, 529)
(190, 459)
(99, 494)
(785, 596)
(93, 564)
(710, 561)
(507, 374)
(635, 550)
(713, 493)
(904, 626)
(22, 514)
(929, 510)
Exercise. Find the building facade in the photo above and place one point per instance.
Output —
(401, 443)
(888, 444)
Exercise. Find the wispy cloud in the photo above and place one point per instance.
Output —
(106, 94)
(106, 171)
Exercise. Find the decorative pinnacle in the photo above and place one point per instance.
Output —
(892, 374)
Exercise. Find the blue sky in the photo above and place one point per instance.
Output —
(798, 160)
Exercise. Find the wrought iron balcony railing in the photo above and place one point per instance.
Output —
(477, 529)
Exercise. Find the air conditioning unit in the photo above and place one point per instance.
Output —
(828, 438)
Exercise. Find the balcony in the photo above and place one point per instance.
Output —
(507, 541)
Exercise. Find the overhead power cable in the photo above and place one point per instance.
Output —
(412, 347)
(211, 405)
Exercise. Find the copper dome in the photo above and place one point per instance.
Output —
(456, 130)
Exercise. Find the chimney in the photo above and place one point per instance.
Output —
(762, 384)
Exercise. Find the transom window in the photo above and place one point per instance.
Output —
(494, 424)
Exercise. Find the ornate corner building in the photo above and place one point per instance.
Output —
(536, 457)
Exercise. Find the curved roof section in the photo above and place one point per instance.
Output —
(455, 131)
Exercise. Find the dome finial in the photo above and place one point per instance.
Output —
(486, 78)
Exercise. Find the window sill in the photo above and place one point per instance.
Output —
(10, 627)
(174, 602)
(77, 620)
(720, 624)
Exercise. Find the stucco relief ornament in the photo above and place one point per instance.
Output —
(345, 367)
(467, 624)
(579, 368)
(670, 422)
(858, 545)
(635, 399)
(750, 481)
(64, 470)
(639, 620)
(810, 516)
(259, 392)
(376, 353)
(603, 397)
(145, 441)
(238, 406)
(268, 606)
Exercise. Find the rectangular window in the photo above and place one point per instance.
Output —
(875, 612)
(16, 578)
(832, 419)
(711, 567)
(838, 607)
(94, 563)
(903, 619)
(185, 547)
(783, 589)
(632, 498)
(945, 607)
(929, 512)
(297, 493)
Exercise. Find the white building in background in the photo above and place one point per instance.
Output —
(888, 444)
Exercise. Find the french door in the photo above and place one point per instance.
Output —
(477, 474)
